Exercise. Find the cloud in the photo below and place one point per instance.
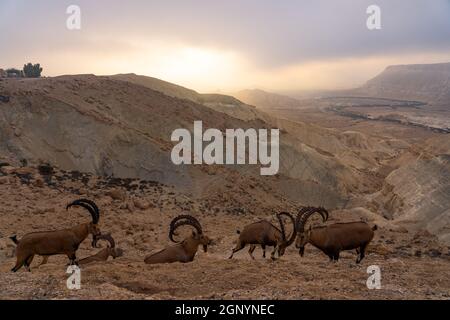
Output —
(263, 37)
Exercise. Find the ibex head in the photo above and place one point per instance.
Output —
(197, 233)
(114, 252)
(302, 217)
(95, 213)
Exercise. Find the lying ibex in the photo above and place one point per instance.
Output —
(104, 254)
(265, 234)
(334, 238)
(183, 251)
(65, 241)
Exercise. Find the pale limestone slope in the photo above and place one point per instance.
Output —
(112, 127)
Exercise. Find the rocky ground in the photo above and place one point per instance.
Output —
(137, 213)
(388, 173)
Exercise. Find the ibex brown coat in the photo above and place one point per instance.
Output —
(50, 243)
(265, 234)
(334, 238)
(186, 250)
(104, 254)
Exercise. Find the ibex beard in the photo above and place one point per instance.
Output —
(235, 147)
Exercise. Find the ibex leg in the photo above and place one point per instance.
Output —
(27, 263)
(362, 254)
(272, 255)
(19, 263)
(44, 261)
(73, 258)
(250, 251)
(239, 246)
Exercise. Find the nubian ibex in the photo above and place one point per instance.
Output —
(333, 239)
(104, 254)
(185, 250)
(65, 241)
(265, 234)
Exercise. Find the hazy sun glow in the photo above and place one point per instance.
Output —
(198, 67)
(206, 69)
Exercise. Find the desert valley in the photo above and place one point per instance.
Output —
(379, 153)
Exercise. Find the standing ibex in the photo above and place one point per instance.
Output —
(265, 234)
(334, 238)
(104, 254)
(65, 241)
(183, 251)
(16, 242)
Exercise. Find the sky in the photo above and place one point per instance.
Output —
(225, 46)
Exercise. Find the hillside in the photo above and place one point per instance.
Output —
(117, 128)
(267, 100)
(218, 102)
(169, 89)
(422, 82)
(308, 152)
(176, 91)
(416, 193)
(109, 140)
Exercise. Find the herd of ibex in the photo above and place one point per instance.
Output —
(330, 239)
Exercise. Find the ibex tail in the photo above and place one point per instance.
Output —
(14, 239)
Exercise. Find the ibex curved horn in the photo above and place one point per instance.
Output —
(324, 211)
(185, 220)
(89, 205)
(108, 238)
(282, 227)
(305, 216)
(300, 214)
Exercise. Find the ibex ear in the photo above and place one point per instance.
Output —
(194, 233)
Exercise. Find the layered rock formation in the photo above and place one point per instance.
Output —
(422, 82)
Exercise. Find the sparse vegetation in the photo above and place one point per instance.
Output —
(32, 70)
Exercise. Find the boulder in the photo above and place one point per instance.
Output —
(117, 194)
(141, 203)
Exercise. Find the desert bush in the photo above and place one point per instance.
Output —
(32, 70)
